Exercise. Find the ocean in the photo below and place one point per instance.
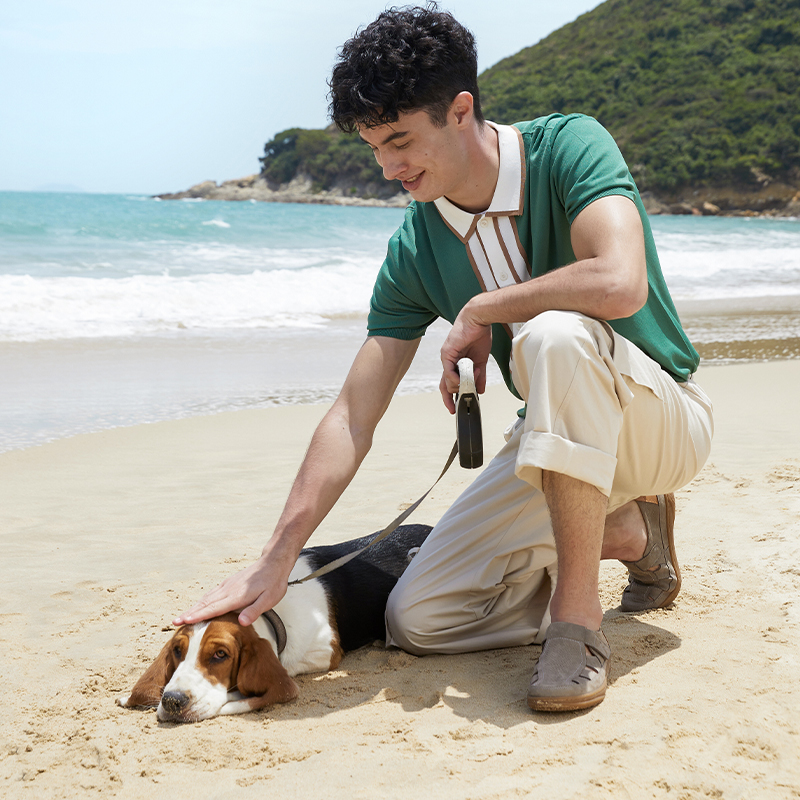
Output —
(122, 309)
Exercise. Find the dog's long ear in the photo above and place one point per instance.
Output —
(148, 689)
(260, 673)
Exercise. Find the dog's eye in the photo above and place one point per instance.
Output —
(176, 651)
(220, 655)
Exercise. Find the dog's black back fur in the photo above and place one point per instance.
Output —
(359, 589)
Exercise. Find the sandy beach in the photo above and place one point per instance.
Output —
(107, 535)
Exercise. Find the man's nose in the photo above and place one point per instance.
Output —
(393, 166)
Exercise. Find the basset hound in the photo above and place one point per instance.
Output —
(221, 667)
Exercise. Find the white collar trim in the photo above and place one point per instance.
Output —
(507, 198)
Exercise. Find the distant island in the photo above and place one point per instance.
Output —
(702, 96)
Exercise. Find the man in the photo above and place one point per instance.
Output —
(533, 241)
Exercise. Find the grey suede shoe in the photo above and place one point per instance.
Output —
(571, 671)
(655, 579)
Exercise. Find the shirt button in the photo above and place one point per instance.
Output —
(484, 223)
(503, 276)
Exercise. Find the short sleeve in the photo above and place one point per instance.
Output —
(586, 164)
(400, 307)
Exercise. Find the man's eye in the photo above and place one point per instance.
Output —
(402, 146)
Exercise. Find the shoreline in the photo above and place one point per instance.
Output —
(57, 390)
(108, 535)
(780, 201)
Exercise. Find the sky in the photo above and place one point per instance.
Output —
(150, 96)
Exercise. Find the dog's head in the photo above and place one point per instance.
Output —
(210, 668)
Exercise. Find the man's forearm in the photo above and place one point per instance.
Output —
(331, 462)
(339, 444)
(584, 286)
(608, 280)
(337, 449)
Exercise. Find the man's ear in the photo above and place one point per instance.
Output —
(148, 689)
(260, 673)
(463, 107)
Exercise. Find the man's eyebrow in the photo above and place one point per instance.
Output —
(390, 138)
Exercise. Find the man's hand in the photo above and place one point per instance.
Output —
(469, 338)
(255, 589)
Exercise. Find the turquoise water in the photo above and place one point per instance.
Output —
(120, 309)
(61, 235)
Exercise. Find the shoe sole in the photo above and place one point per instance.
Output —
(669, 521)
(567, 703)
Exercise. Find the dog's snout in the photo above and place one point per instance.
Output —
(174, 702)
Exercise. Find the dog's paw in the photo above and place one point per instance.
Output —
(123, 701)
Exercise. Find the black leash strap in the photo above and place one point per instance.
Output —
(330, 567)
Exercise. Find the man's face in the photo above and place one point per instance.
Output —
(429, 161)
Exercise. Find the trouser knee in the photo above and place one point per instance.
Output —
(405, 626)
(552, 340)
(552, 332)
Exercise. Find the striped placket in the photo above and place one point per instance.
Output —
(491, 238)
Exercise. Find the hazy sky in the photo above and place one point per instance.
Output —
(150, 96)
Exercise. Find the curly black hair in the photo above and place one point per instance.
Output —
(410, 59)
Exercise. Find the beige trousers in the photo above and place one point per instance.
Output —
(599, 410)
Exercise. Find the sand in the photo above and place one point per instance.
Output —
(106, 536)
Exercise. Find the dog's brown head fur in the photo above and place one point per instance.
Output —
(228, 658)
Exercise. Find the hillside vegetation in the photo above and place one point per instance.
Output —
(698, 93)
(329, 158)
(694, 91)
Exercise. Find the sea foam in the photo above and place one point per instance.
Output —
(35, 309)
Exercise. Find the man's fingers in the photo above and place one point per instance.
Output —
(188, 617)
(250, 614)
(450, 376)
(447, 396)
(209, 605)
(480, 378)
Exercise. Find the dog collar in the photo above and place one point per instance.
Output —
(278, 628)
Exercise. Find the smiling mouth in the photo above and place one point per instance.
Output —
(411, 183)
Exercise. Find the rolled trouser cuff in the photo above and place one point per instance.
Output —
(547, 451)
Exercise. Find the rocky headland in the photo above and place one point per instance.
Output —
(772, 199)
(299, 190)
(769, 199)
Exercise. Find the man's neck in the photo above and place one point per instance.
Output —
(475, 195)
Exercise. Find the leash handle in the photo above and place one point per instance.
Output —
(468, 418)
(339, 562)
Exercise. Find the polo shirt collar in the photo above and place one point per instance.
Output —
(507, 198)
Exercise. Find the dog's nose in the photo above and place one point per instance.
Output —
(174, 702)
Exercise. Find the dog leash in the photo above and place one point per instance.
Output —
(339, 562)
(468, 446)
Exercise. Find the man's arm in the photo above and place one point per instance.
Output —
(607, 281)
(339, 445)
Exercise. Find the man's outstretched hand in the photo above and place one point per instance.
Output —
(255, 589)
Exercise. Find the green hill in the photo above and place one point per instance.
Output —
(329, 158)
(702, 96)
(696, 92)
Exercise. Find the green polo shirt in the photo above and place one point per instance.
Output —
(550, 169)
